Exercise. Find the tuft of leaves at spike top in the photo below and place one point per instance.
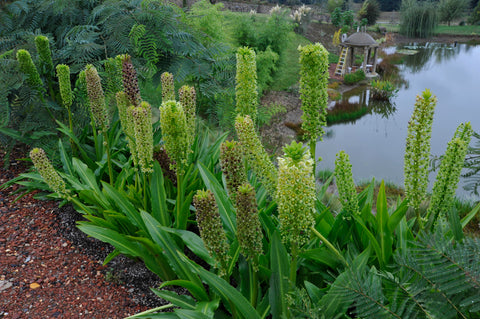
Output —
(295, 194)
(63, 74)
(211, 228)
(168, 87)
(188, 98)
(130, 80)
(48, 172)
(313, 89)
(246, 90)
(233, 168)
(28, 68)
(249, 230)
(43, 48)
(443, 192)
(142, 119)
(417, 149)
(255, 153)
(96, 97)
(345, 183)
(173, 123)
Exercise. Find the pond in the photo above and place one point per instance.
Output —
(376, 141)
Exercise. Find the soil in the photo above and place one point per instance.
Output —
(50, 269)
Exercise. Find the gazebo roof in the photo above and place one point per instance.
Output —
(360, 39)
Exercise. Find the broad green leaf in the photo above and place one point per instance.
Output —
(279, 284)
(191, 314)
(208, 307)
(172, 253)
(158, 197)
(373, 240)
(385, 237)
(322, 255)
(314, 292)
(66, 161)
(182, 301)
(193, 288)
(465, 220)
(120, 199)
(397, 216)
(193, 242)
(226, 291)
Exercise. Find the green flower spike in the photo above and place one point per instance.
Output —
(46, 170)
(296, 194)
(142, 118)
(231, 161)
(345, 183)
(114, 75)
(28, 68)
(96, 97)
(249, 230)
(168, 87)
(63, 74)
(246, 83)
(188, 99)
(130, 80)
(313, 91)
(43, 48)
(211, 228)
(173, 123)
(255, 154)
(417, 149)
(443, 192)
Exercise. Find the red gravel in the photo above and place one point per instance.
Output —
(43, 274)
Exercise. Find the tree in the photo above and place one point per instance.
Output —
(370, 10)
(418, 18)
(475, 16)
(450, 10)
(389, 5)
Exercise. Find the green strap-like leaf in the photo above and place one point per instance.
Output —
(279, 263)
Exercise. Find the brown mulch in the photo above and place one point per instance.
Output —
(49, 269)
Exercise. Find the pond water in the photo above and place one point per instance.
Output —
(376, 141)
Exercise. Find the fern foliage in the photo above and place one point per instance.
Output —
(434, 278)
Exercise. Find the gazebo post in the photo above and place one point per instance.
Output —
(365, 58)
(374, 68)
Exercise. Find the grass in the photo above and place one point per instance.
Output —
(288, 72)
(441, 29)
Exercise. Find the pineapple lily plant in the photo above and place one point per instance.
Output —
(265, 244)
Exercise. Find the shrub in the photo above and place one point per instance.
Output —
(370, 10)
(418, 19)
(382, 90)
(353, 78)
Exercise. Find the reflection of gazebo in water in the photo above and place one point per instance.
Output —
(360, 42)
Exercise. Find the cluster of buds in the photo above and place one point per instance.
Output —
(43, 48)
(417, 149)
(173, 123)
(249, 230)
(231, 161)
(443, 192)
(313, 89)
(168, 87)
(188, 99)
(114, 72)
(28, 68)
(345, 183)
(96, 97)
(130, 80)
(255, 154)
(142, 119)
(296, 194)
(211, 228)
(63, 74)
(48, 172)
(246, 83)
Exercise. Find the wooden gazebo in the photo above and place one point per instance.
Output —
(359, 42)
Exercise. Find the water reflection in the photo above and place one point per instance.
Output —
(375, 140)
